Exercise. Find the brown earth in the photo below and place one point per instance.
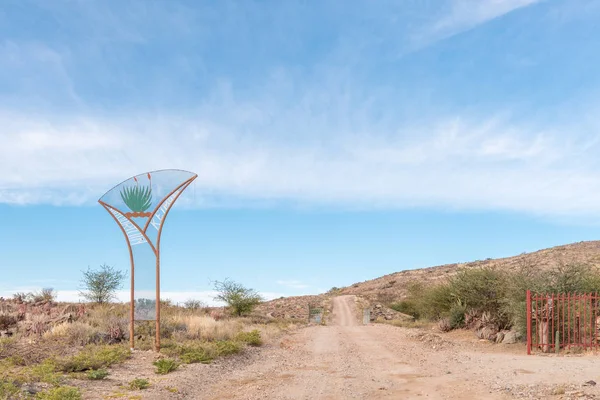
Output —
(394, 286)
(296, 307)
(346, 360)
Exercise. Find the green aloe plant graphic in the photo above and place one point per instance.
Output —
(137, 198)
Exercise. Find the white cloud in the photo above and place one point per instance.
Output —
(207, 296)
(321, 137)
(449, 163)
(463, 15)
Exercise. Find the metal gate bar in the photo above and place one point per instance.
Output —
(562, 321)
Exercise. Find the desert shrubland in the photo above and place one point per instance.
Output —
(491, 296)
(52, 345)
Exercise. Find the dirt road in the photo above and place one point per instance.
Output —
(347, 360)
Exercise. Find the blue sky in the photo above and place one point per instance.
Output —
(334, 141)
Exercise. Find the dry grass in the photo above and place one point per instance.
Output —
(201, 327)
(55, 352)
(418, 324)
(77, 333)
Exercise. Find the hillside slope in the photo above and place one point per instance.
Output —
(393, 286)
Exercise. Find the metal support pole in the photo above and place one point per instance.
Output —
(158, 301)
(528, 322)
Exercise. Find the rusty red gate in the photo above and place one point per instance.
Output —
(562, 321)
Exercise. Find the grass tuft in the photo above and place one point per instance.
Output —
(139, 384)
(97, 374)
(60, 393)
(94, 357)
(165, 365)
(251, 338)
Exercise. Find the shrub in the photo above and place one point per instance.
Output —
(193, 353)
(240, 299)
(561, 278)
(46, 294)
(6, 321)
(407, 307)
(165, 366)
(8, 390)
(227, 347)
(97, 374)
(60, 393)
(498, 294)
(166, 303)
(435, 302)
(456, 318)
(139, 384)
(193, 304)
(43, 372)
(481, 289)
(444, 325)
(94, 357)
(204, 328)
(20, 297)
(77, 333)
(251, 338)
(101, 285)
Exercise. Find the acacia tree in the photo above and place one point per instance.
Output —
(101, 285)
(240, 299)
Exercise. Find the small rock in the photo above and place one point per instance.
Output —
(510, 338)
(30, 389)
(590, 383)
(500, 337)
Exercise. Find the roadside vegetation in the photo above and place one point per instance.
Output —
(46, 347)
(492, 297)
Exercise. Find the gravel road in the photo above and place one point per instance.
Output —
(347, 360)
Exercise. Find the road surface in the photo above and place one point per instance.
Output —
(345, 360)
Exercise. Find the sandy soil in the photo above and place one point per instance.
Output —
(345, 360)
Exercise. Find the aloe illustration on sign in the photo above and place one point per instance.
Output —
(138, 198)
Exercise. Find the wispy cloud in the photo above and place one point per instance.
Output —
(463, 15)
(456, 163)
(316, 127)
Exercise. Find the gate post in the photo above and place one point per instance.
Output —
(528, 322)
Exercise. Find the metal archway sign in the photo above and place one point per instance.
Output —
(140, 206)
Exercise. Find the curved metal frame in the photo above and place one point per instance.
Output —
(154, 246)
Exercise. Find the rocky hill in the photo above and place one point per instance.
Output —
(393, 286)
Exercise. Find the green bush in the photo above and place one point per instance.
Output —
(480, 288)
(192, 353)
(97, 374)
(501, 294)
(435, 302)
(60, 393)
(94, 357)
(165, 365)
(227, 347)
(457, 316)
(408, 307)
(240, 299)
(251, 338)
(8, 390)
(46, 372)
(139, 384)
